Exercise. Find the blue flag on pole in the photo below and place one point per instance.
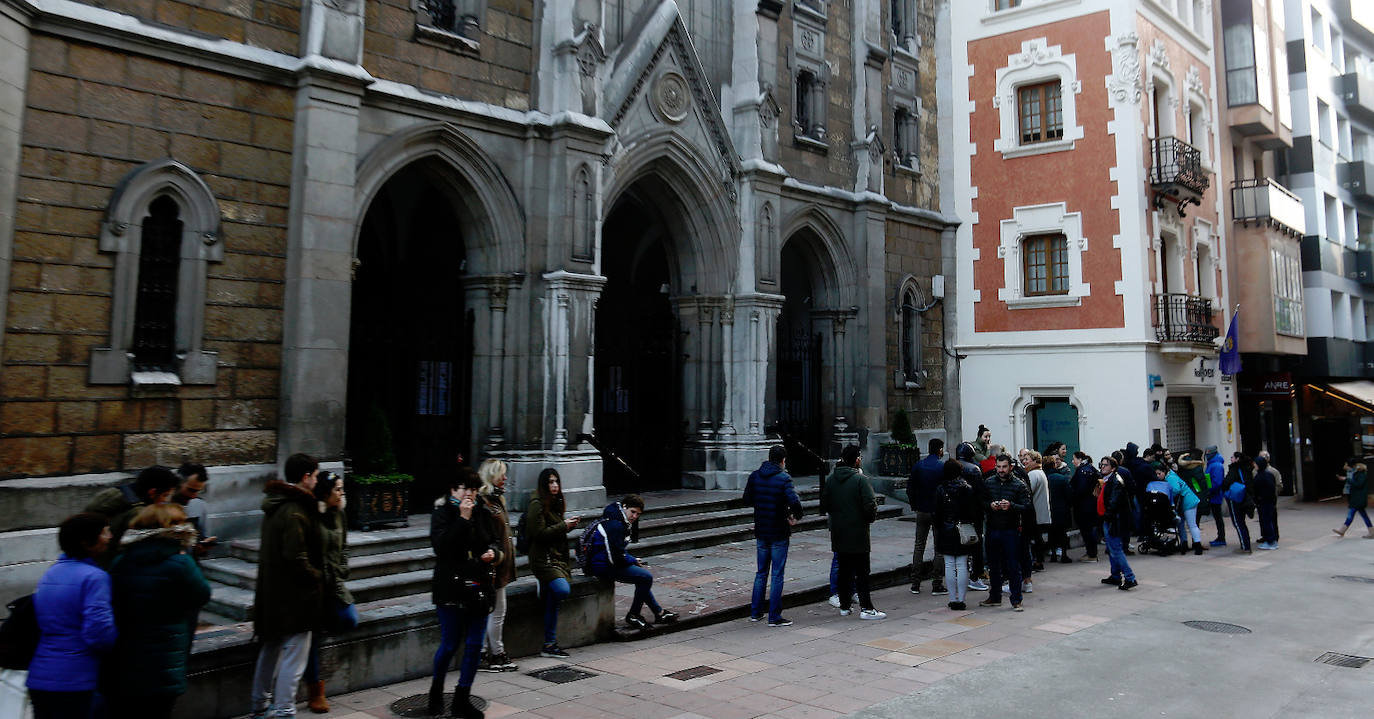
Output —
(1230, 349)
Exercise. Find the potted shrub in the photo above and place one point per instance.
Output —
(378, 492)
(895, 458)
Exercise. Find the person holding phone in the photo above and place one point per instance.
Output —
(1005, 499)
(547, 526)
(466, 546)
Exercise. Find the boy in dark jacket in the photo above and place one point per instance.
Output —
(290, 587)
(1265, 492)
(776, 509)
(926, 477)
(848, 500)
(610, 560)
(1083, 487)
(1004, 499)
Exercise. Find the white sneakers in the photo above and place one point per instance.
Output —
(872, 614)
(835, 600)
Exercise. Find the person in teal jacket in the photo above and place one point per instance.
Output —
(1187, 500)
(157, 590)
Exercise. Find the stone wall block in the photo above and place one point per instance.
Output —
(20, 382)
(95, 63)
(197, 414)
(28, 417)
(30, 311)
(52, 129)
(24, 347)
(52, 92)
(76, 313)
(208, 87)
(243, 323)
(115, 103)
(173, 448)
(96, 453)
(21, 456)
(257, 383)
(76, 417)
(118, 416)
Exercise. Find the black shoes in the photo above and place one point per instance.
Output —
(1197, 548)
(1114, 581)
(553, 651)
(436, 697)
(666, 616)
(957, 606)
(462, 704)
(636, 621)
(1128, 584)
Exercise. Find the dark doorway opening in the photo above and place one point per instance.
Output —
(410, 355)
(638, 379)
(1054, 419)
(799, 365)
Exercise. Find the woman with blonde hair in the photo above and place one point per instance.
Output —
(492, 472)
(157, 590)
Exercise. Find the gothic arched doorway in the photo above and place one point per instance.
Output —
(799, 367)
(638, 382)
(410, 355)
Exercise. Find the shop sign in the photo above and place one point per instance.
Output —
(1274, 384)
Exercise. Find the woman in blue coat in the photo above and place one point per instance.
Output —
(75, 622)
(158, 590)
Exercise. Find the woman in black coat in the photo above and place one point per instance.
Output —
(467, 547)
(955, 504)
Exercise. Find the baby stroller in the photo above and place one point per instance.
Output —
(1160, 531)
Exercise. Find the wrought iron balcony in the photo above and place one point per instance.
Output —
(1184, 318)
(1265, 201)
(1176, 172)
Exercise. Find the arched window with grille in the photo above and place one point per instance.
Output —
(155, 308)
(911, 337)
(163, 228)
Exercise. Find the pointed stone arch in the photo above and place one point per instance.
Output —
(495, 231)
(822, 240)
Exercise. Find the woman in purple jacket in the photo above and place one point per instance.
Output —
(75, 622)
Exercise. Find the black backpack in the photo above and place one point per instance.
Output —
(19, 635)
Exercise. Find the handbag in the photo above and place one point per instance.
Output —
(967, 533)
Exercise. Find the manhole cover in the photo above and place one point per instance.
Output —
(1348, 661)
(418, 705)
(1349, 578)
(1218, 627)
(693, 673)
(561, 674)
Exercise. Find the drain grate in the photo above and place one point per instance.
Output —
(1217, 627)
(561, 674)
(693, 673)
(1349, 661)
(418, 705)
(1349, 578)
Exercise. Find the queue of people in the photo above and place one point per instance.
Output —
(118, 611)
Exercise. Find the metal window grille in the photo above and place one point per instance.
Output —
(159, 264)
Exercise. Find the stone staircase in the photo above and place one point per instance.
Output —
(393, 566)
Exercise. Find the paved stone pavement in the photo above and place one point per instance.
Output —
(924, 655)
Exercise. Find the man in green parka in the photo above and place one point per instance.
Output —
(290, 586)
(848, 499)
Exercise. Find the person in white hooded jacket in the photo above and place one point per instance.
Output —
(1040, 501)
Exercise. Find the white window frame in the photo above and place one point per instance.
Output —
(1036, 220)
(1036, 63)
(121, 234)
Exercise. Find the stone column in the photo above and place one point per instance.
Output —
(755, 337)
(488, 297)
(319, 263)
(14, 78)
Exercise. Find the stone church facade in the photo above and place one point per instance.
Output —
(234, 231)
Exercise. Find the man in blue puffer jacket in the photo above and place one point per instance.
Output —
(776, 509)
(1216, 472)
(609, 559)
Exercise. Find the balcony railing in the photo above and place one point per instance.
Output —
(1176, 172)
(1263, 200)
(1356, 177)
(1358, 93)
(1183, 318)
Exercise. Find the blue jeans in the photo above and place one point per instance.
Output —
(1117, 554)
(1350, 516)
(772, 553)
(455, 626)
(554, 594)
(642, 579)
(1004, 556)
(834, 574)
(343, 618)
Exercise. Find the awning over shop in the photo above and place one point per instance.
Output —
(1360, 391)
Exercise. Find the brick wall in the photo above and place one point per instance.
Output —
(915, 251)
(271, 24)
(498, 74)
(92, 116)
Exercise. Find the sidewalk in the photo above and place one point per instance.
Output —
(826, 665)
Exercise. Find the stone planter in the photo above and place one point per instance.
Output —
(896, 461)
(373, 505)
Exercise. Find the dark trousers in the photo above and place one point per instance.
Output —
(61, 705)
(1059, 538)
(1004, 550)
(1238, 521)
(1269, 522)
(1089, 525)
(1220, 520)
(157, 706)
(854, 577)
